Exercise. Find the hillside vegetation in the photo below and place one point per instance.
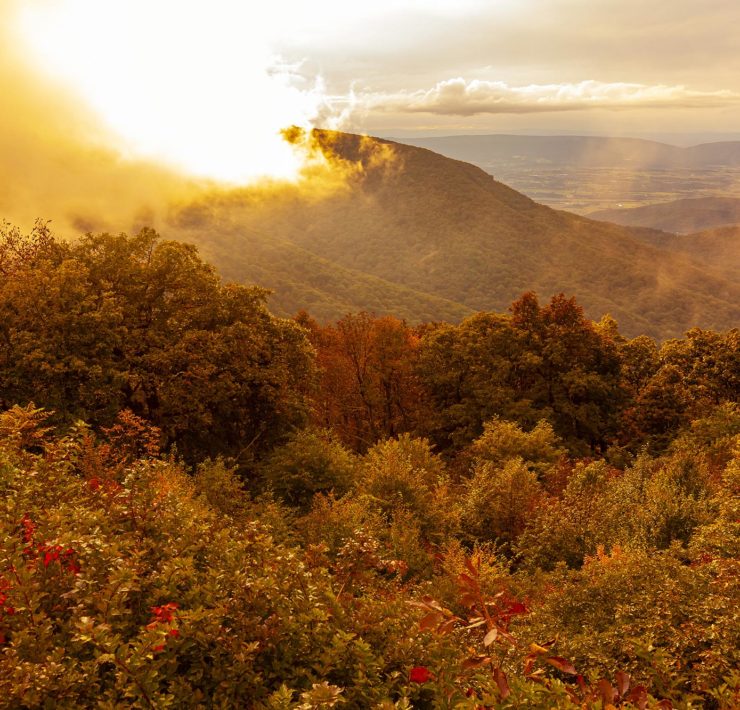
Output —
(439, 227)
(203, 505)
(718, 248)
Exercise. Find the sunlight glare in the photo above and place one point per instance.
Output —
(189, 84)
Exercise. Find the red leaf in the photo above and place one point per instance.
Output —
(639, 695)
(447, 626)
(475, 661)
(517, 608)
(430, 621)
(607, 692)
(537, 677)
(74, 568)
(420, 674)
(561, 664)
(29, 528)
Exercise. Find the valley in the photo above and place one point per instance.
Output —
(586, 174)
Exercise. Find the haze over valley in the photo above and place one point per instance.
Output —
(586, 174)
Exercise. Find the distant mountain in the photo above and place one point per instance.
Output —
(427, 237)
(679, 216)
(580, 151)
(718, 249)
(586, 173)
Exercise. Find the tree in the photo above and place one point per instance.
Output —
(538, 363)
(310, 462)
(471, 373)
(573, 373)
(368, 387)
(498, 501)
(113, 322)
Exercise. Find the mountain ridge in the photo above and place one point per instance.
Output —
(446, 228)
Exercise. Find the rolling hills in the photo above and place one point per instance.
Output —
(707, 229)
(586, 173)
(581, 151)
(678, 216)
(427, 237)
(719, 248)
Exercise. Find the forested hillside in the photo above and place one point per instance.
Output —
(204, 505)
(446, 229)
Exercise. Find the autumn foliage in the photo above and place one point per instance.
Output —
(202, 505)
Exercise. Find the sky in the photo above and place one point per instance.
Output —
(204, 87)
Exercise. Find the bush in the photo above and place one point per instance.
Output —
(404, 473)
(310, 462)
(498, 502)
(127, 587)
(539, 449)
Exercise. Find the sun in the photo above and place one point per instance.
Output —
(193, 85)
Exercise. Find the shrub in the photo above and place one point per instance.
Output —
(499, 501)
(310, 462)
(539, 449)
(404, 473)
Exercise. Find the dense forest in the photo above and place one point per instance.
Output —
(205, 505)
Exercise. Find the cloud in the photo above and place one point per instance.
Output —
(458, 97)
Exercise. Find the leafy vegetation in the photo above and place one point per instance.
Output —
(117, 322)
(202, 505)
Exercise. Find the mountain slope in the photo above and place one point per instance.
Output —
(679, 216)
(447, 229)
(302, 280)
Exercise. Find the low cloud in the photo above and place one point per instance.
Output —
(458, 97)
